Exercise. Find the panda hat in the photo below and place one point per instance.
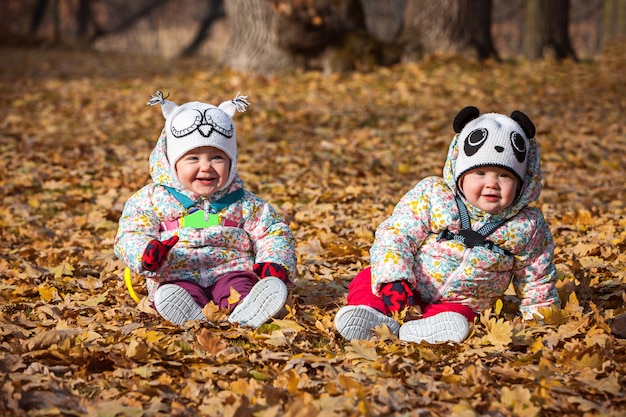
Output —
(492, 139)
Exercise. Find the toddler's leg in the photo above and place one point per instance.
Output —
(180, 301)
(260, 299)
(364, 310)
(440, 323)
(239, 282)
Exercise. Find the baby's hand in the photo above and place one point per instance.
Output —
(156, 252)
(270, 269)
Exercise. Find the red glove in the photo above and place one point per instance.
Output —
(270, 269)
(396, 295)
(156, 252)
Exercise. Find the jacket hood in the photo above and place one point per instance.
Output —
(530, 191)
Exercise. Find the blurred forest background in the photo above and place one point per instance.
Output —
(269, 36)
(361, 111)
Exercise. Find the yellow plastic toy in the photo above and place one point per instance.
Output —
(129, 285)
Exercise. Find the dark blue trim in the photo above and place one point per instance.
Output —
(216, 206)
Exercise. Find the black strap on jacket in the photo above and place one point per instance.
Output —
(471, 238)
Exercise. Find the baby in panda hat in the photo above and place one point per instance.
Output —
(195, 233)
(454, 244)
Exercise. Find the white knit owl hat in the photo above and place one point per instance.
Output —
(492, 139)
(195, 124)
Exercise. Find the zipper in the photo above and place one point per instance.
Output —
(206, 207)
(466, 254)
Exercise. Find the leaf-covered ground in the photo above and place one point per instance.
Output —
(333, 154)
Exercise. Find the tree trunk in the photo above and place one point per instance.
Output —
(128, 22)
(39, 12)
(620, 25)
(451, 26)
(83, 17)
(253, 44)
(216, 11)
(532, 42)
(556, 28)
(427, 28)
(474, 24)
(613, 19)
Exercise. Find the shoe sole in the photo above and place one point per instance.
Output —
(175, 305)
(357, 322)
(441, 328)
(266, 298)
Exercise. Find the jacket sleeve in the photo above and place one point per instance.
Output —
(138, 225)
(271, 237)
(535, 275)
(400, 236)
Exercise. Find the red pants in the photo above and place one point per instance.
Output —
(360, 293)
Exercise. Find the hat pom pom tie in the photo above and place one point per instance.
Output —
(157, 99)
(238, 104)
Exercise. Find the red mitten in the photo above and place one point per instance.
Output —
(270, 269)
(396, 295)
(156, 252)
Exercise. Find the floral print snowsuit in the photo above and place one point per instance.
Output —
(445, 271)
(249, 231)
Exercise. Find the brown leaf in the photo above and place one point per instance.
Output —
(212, 345)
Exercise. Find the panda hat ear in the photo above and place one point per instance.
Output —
(465, 116)
(527, 126)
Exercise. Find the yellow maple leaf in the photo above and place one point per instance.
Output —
(240, 386)
(47, 293)
(214, 313)
(588, 361)
(582, 249)
(137, 350)
(497, 308)
(233, 297)
(610, 384)
(592, 262)
(519, 401)
(499, 332)
(358, 350)
(64, 269)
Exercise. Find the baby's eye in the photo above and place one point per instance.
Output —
(218, 157)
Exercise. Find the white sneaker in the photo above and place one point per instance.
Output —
(265, 299)
(176, 305)
(357, 322)
(440, 328)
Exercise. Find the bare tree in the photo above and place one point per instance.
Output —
(532, 43)
(546, 27)
(473, 28)
(253, 45)
(126, 22)
(39, 11)
(556, 28)
(454, 26)
(214, 13)
(278, 35)
(613, 19)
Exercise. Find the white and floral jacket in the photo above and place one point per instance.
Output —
(249, 231)
(407, 247)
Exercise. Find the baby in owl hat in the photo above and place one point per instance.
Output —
(195, 234)
(454, 244)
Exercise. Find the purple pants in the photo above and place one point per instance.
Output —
(360, 293)
(240, 281)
